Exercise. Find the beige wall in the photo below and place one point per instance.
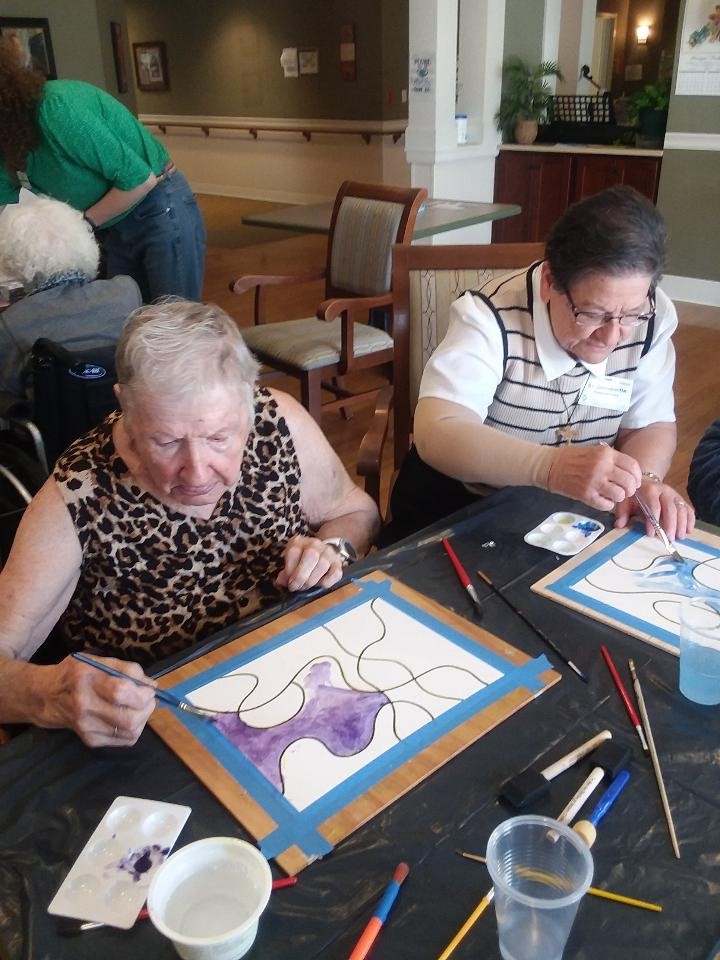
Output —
(107, 11)
(224, 57)
(689, 194)
(689, 198)
(80, 35)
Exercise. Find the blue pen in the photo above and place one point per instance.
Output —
(163, 695)
(587, 828)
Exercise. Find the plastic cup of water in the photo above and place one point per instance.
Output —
(540, 871)
(700, 649)
(207, 898)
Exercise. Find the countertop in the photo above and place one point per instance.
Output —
(581, 148)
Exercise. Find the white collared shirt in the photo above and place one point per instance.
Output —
(468, 365)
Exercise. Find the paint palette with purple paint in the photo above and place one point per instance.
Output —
(109, 881)
(565, 533)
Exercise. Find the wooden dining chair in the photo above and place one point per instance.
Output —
(425, 281)
(367, 219)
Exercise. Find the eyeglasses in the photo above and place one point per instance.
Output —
(594, 318)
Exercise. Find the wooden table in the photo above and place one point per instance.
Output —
(55, 791)
(436, 216)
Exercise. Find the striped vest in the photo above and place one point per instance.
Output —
(526, 404)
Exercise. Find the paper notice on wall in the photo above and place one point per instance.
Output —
(289, 62)
(699, 61)
(421, 73)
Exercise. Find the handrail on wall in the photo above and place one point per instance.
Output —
(253, 129)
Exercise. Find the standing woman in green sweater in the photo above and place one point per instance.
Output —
(74, 142)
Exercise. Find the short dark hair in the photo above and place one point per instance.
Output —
(617, 231)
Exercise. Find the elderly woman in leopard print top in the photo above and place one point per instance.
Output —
(203, 499)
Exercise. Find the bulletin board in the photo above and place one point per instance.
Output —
(332, 712)
(627, 580)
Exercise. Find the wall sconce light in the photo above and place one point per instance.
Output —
(642, 32)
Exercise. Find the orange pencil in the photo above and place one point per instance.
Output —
(382, 910)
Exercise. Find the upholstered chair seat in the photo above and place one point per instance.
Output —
(311, 343)
(320, 351)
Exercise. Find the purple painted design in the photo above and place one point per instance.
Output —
(340, 718)
(141, 860)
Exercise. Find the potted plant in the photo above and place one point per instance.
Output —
(525, 98)
(648, 109)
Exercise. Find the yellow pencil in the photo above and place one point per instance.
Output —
(595, 891)
(477, 912)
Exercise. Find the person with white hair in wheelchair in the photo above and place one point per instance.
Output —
(52, 252)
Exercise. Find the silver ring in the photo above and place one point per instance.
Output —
(680, 503)
(114, 731)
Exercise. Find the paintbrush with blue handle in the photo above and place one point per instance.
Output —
(162, 695)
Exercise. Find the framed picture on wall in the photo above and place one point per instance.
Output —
(308, 60)
(32, 35)
(118, 48)
(151, 70)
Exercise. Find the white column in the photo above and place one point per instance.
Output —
(448, 170)
(552, 20)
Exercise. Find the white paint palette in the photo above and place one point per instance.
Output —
(565, 533)
(109, 881)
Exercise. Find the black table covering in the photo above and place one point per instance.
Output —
(55, 791)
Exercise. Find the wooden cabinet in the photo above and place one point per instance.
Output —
(545, 183)
(597, 171)
(540, 183)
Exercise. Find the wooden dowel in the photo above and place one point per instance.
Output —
(653, 756)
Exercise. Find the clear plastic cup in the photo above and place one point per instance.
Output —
(700, 649)
(540, 870)
(207, 898)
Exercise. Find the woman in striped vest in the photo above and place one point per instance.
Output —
(559, 376)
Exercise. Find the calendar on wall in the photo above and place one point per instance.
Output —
(699, 61)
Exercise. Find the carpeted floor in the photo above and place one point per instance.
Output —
(223, 217)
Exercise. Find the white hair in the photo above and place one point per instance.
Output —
(179, 347)
(41, 238)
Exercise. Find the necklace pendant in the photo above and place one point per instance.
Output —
(566, 434)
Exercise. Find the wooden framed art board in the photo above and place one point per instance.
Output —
(332, 712)
(627, 580)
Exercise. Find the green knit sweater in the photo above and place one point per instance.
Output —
(89, 142)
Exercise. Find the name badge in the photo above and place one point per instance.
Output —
(610, 393)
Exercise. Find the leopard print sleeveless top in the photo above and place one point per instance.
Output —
(153, 581)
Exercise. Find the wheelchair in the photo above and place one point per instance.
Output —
(69, 394)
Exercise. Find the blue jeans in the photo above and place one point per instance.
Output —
(160, 243)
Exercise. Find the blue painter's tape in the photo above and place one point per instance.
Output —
(300, 827)
(566, 586)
